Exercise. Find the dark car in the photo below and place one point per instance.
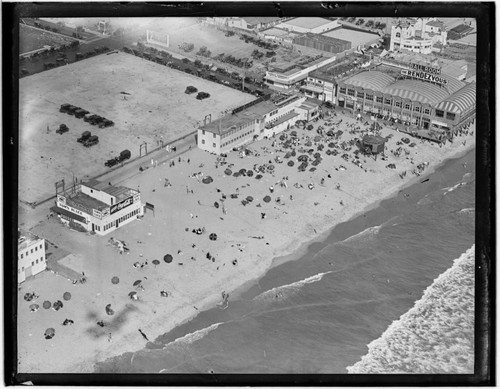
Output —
(203, 95)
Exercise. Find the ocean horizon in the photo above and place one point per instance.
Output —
(318, 314)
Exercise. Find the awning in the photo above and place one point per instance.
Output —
(71, 215)
(312, 88)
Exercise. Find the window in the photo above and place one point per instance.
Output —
(36, 248)
(398, 35)
(37, 261)
(361, 95)
(41, 259)
(388, 101)
(22, 269)
(439, 113)
(31, 251)
(427, 111)
(203, 132)
(213, 134)
(32, 263)
(203, 141)
(407, 106)
(213, 145)
(369, 97)
(397, 104)
(416, 108)
(342, 90)
(350, 92)
(450, 116)
(40, 246)
(22, 255)
(379, 100)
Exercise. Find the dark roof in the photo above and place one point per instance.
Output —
(373, 140)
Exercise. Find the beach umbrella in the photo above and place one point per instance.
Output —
(46, 304)
(168, 258)
(28, 296)
(67, 296)
(137, 282)
(330, 133)
(57, 305)
(309, 143)
(115, 280)
(267, 199)
(312, 169)
(156, 262)
(321, 147)
(258, 176)
(290, 163)
(228, 172)
(133, 295)
(236, 174)
(249, 198)
(317, 155)
(317, 138)
(293, 133)
(282, 137)
(207, 180)
(109, 311)
(49, 333)
(331, 145)
(34, 307)
(244, 202)
(213, 236)
(243, 171)
(163, 293)
(249, 173)
(216, 204)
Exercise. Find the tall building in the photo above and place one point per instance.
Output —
(30, 256)
(417, 35)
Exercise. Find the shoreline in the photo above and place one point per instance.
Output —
(196, 286)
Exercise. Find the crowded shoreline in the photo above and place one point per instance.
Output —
(248, 241)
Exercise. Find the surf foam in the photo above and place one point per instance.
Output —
(436, 335)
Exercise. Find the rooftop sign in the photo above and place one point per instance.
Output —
(424, 76)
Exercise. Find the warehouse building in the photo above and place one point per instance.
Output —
(357, 39)
(418, 96)
(256, 120)
(98, 207)
(30, 256)
(313, 25)
(322, 43)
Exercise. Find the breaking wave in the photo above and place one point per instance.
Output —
(436, 335)
(467, 210)
(284, 291)
(366, 233)
(193, 336)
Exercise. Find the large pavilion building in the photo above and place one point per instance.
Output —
(423, 97)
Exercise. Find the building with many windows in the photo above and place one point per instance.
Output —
(423, 98)
(30, 256)
(256, 120)
(315, 25)
(98, 207)
(417, 35)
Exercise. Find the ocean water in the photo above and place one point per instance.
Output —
(318, 314)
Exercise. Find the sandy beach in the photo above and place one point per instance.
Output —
(304, 206)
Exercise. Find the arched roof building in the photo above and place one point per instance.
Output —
(373, 80)
(460, 102)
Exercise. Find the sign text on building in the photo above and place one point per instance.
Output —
(424, 76)
(427, 69)
(71, 209)
(119, 206)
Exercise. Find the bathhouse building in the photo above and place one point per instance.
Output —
(98, 206)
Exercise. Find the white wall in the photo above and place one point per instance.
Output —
(29, 259)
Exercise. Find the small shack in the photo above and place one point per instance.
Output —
(373, 144)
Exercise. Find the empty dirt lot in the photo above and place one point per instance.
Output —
(155, 108)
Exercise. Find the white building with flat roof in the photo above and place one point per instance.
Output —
(30, 256)
(98, 207)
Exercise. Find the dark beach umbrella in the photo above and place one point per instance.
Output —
(330, 133)
(258, 176)
(212, 236)
(267, 199)
(249, 198)
(317, 138)
(293, 133)
(321, 147)
(156, 262)
(216, 204)
(46, 304)
(294, 153)
(67, 296)
(312, 169)
(317, 155)
(228, 172)
(133, 295)
(243, 171)
(137, 282)
(282, 137)
(236, 174)
(308, 143)
(57, 305)
(34, 307)
(49, 333)
(207, 180)
(244, 202)
(109, 311)
(115, 280)
(331, 145)
(249, 173)
(287, 155)
(168, 258)
(28, 296)
(290, 163)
